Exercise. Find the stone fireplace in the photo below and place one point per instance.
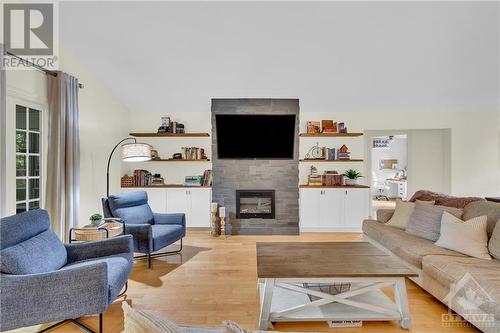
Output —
(248, 211)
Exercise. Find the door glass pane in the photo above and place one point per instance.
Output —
(20, 117)
(34, 189)
(20, 189)
(34, 120)
(20, 142)
(34, 205)
(20, 165)
(34, 143)
(34, 166)
(20, 207)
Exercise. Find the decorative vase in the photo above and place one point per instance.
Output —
(96, 223)
(350, 182)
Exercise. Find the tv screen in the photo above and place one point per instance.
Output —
(255, 136)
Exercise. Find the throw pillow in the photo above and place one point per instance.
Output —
(467, 237)
(138, 321)
(425, 221)
(232, 327)
(403, 212)
(494, 244)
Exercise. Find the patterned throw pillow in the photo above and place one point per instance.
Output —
(467, 237)
(425, 221)
(138, 321)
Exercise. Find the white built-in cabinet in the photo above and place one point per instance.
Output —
(192, 201)
(333, 209)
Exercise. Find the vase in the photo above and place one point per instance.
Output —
(351, 182)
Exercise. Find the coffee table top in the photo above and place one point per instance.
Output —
(326, 259)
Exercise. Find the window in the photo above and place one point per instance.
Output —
(28, 158)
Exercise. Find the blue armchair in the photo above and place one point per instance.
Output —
(151, 231)
(43, 280)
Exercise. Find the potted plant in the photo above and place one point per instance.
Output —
(352, 176)
(96, 220)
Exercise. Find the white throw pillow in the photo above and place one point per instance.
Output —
(467, 237)
(402, 214)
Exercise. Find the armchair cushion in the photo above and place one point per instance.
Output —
(39, 254)
(119, 267)
(20, 227)
(164, 235)
(132, 207)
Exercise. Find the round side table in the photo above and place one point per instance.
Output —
(85, 234)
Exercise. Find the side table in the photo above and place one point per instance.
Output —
(111, 228)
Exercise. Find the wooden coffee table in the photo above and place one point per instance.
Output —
(290, 273)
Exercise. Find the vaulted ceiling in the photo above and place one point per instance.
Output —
(334, 56)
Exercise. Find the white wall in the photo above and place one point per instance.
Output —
(474, 143)
(173, 173)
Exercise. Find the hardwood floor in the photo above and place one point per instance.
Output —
(216, 279)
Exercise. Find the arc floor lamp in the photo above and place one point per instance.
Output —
(131, 152)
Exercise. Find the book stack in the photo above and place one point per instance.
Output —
(330, 154)
(142, 178)
(193, 153)
(207, 178)
(196, 181)
(343, 156)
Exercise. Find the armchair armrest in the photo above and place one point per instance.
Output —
(143, 236)
(100, 248)
(70, 292)
(384, 215)
(170, 218)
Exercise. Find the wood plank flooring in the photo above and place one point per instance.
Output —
(216, 280)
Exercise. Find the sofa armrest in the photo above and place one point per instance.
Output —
(100, 248)
(384, 215)
(70, 292)
(170, 218)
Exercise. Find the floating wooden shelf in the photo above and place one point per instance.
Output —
(313, 160)
(174, 135)
(334, 186)
(330, 134)
(167, 186)
(180, 160)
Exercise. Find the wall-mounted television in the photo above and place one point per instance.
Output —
(255, 136)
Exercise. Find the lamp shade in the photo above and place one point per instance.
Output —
(136, 152)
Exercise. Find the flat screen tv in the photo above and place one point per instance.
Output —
(255, 136)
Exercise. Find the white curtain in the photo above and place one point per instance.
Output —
(3, 138)
(62, 196)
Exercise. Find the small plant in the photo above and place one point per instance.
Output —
(352, 174)
(95, 218)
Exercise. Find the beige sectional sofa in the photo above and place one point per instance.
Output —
(442, 269)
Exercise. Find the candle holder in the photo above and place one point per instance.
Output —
(222, 215)
(214, 229)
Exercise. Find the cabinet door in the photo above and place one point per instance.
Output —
(356, 208)
(177, 201)
(332, 209)
(200, 199)
(310, 209)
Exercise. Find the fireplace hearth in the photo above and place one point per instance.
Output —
(251, 204)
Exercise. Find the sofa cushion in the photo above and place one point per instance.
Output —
(39, 254)
(402, 214)
(166, 234)
(442, 199)
(425, 221)
(489, 208)
(131, 207)
(407, 247)
(118, 269)
(448, 270)
(467, 237)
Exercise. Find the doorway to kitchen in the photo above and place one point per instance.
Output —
(389, 166)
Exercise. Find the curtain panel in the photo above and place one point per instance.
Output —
(62, 196)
